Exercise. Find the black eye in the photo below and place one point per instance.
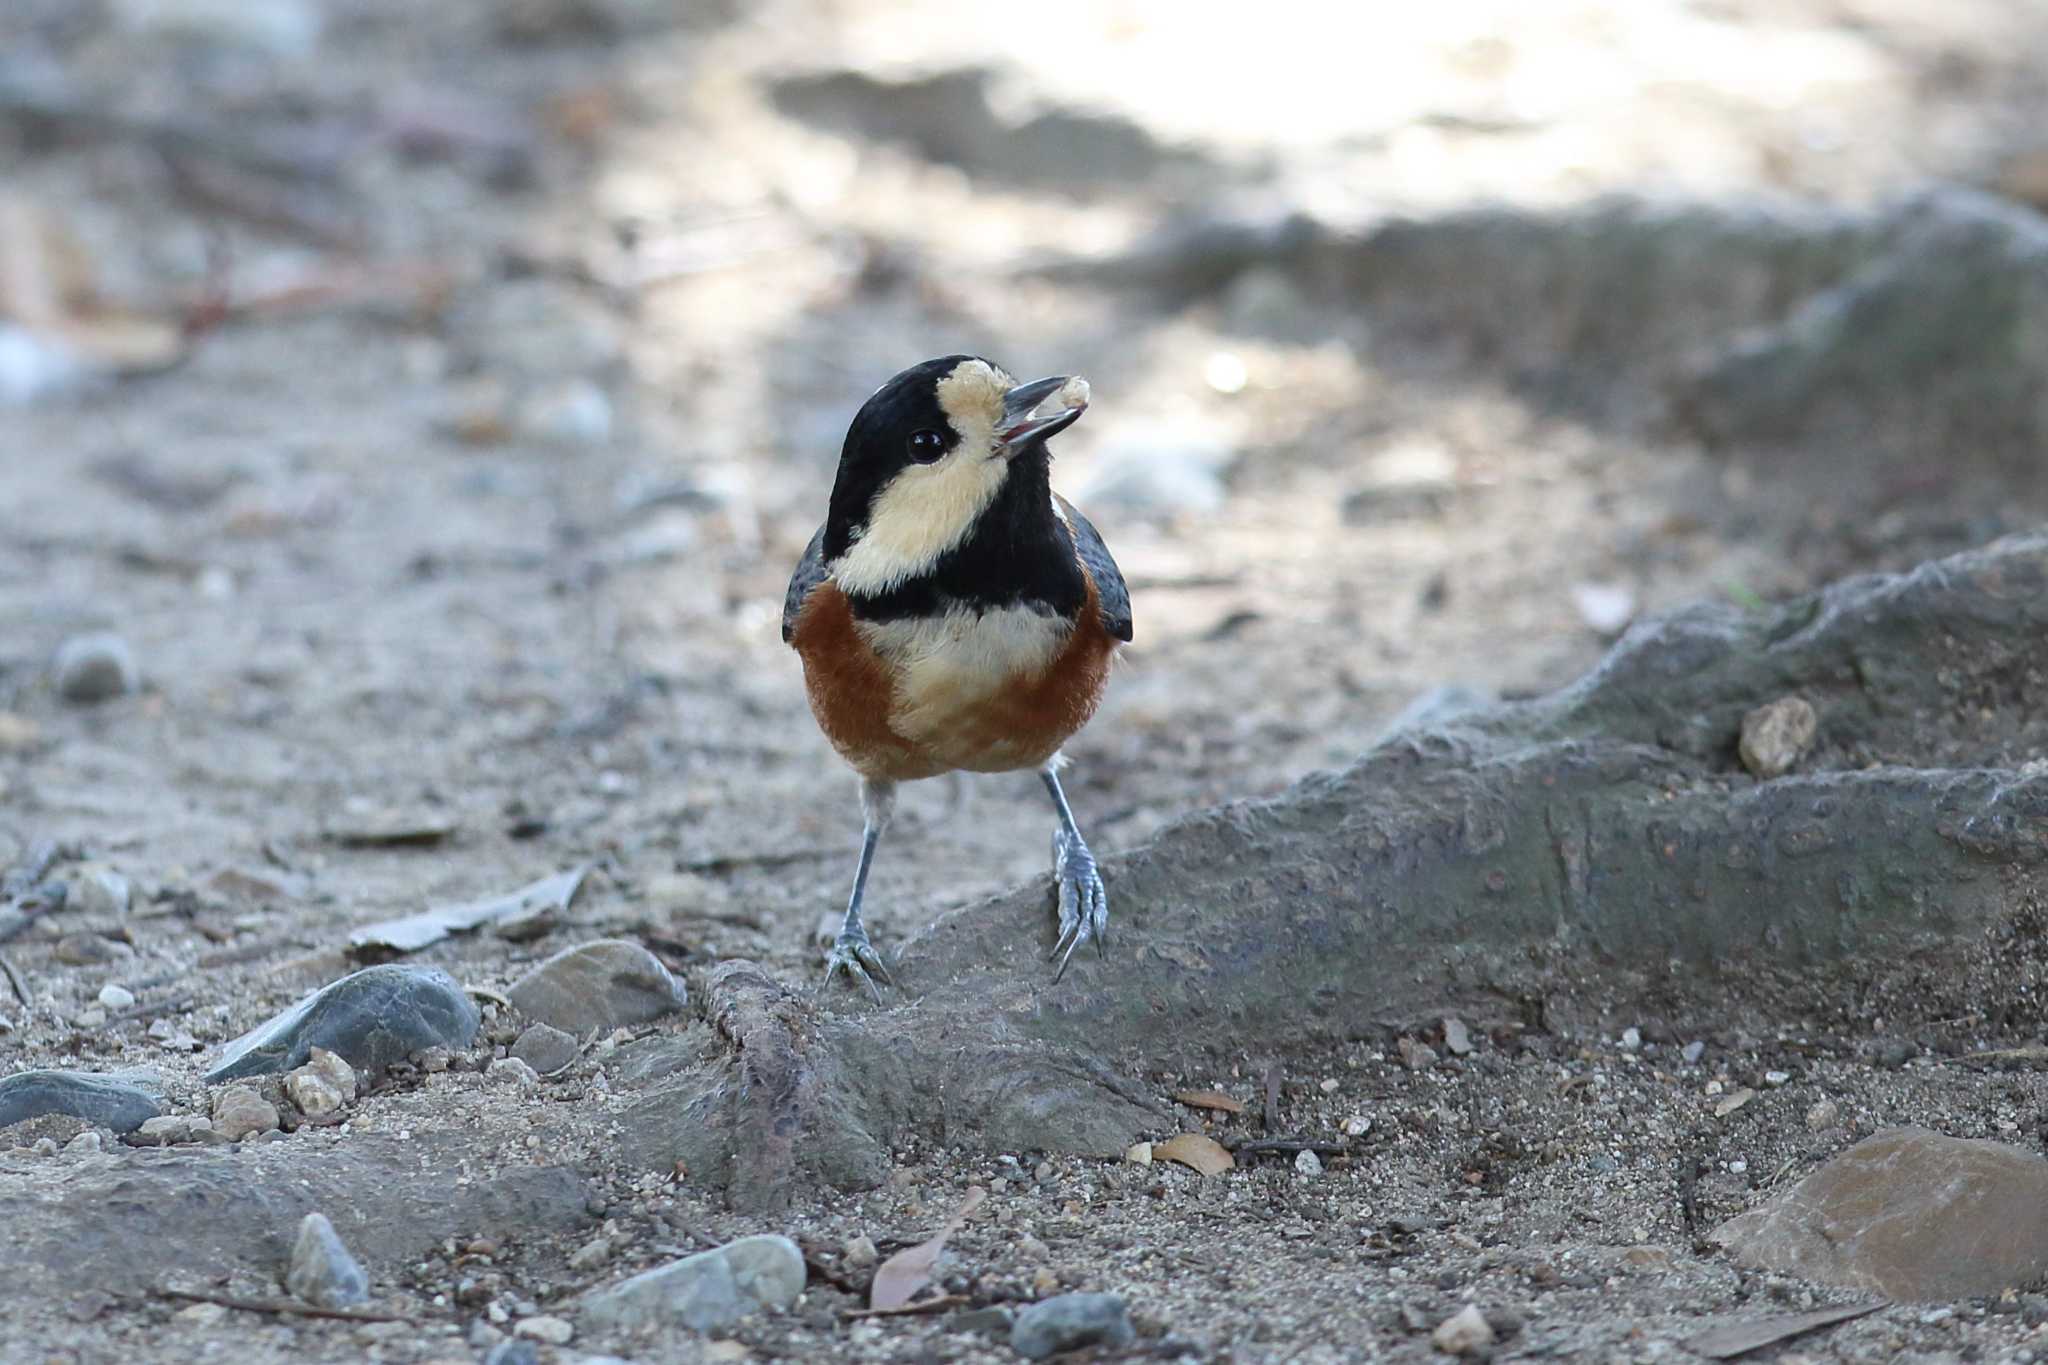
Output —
(926, 446)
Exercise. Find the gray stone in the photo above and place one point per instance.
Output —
(1070, 1321)
(710, 1290)
(95, 668)
(603, 985)
(115, 996)
(104, 1100)
(511, 1071)
(168, 1130)
(323, 1272)
(545, 1048)
(370, 1018)
(552, 1330)
(1909, 1214)
(102, 892)
(512, 1352)
(239, 1112)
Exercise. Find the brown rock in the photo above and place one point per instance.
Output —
(1909, 1214)
(1777, 735)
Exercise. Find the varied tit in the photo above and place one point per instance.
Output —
(955, 614)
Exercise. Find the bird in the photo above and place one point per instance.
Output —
(954, 614)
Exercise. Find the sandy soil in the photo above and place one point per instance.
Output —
(510, 550)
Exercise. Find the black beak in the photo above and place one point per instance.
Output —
(1022, 424)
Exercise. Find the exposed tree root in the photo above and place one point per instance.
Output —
(1608, 824)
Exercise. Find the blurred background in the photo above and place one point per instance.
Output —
(412, 412)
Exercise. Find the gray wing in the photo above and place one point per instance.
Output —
(1109, 580)
(810, 572)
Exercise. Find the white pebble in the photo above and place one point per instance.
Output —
(1225, 372)
(116, 997)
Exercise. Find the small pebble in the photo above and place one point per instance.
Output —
(1307, 1163)
(168, 1129)
(859, 1252)
(313, 1095)
(94, 668)
(1824, 1115)
(1464, 1333)
(545, 1048)
(1416, 1056)
(84, 1144)
(322, 1085)
(572, 414)
(1777, 1077)
(512, 1071)
(116, 997)
(1069, 1322)
(591, 1254)
(1457, 1038)
(1631, 1040)
(1692, 1052)
(1139, 1154)
(323, 1273)
(1358, 1125)
(240, 1112)
(1776, 736)
(102, 893)
(554, 1331)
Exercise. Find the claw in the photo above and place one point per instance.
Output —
(1083, 902)
(854, 955)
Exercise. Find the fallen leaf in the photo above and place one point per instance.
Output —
(1734, 1101)
(938, 1303)
(1739, 1338)
(390, 828)
(410, 933)
(46, 285)
(910, 1270)
(1193, 1150)
(1208, 1099)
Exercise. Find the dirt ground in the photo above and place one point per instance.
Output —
(482, 511)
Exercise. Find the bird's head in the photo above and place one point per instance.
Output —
(936, 455)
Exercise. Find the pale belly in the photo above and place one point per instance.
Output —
(987, 691)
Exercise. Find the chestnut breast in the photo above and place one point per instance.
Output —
(984, 690)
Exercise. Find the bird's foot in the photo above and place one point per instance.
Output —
(1084, 904)
(853, 954)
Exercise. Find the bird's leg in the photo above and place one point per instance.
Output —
(1084, 905)
(852, 953)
